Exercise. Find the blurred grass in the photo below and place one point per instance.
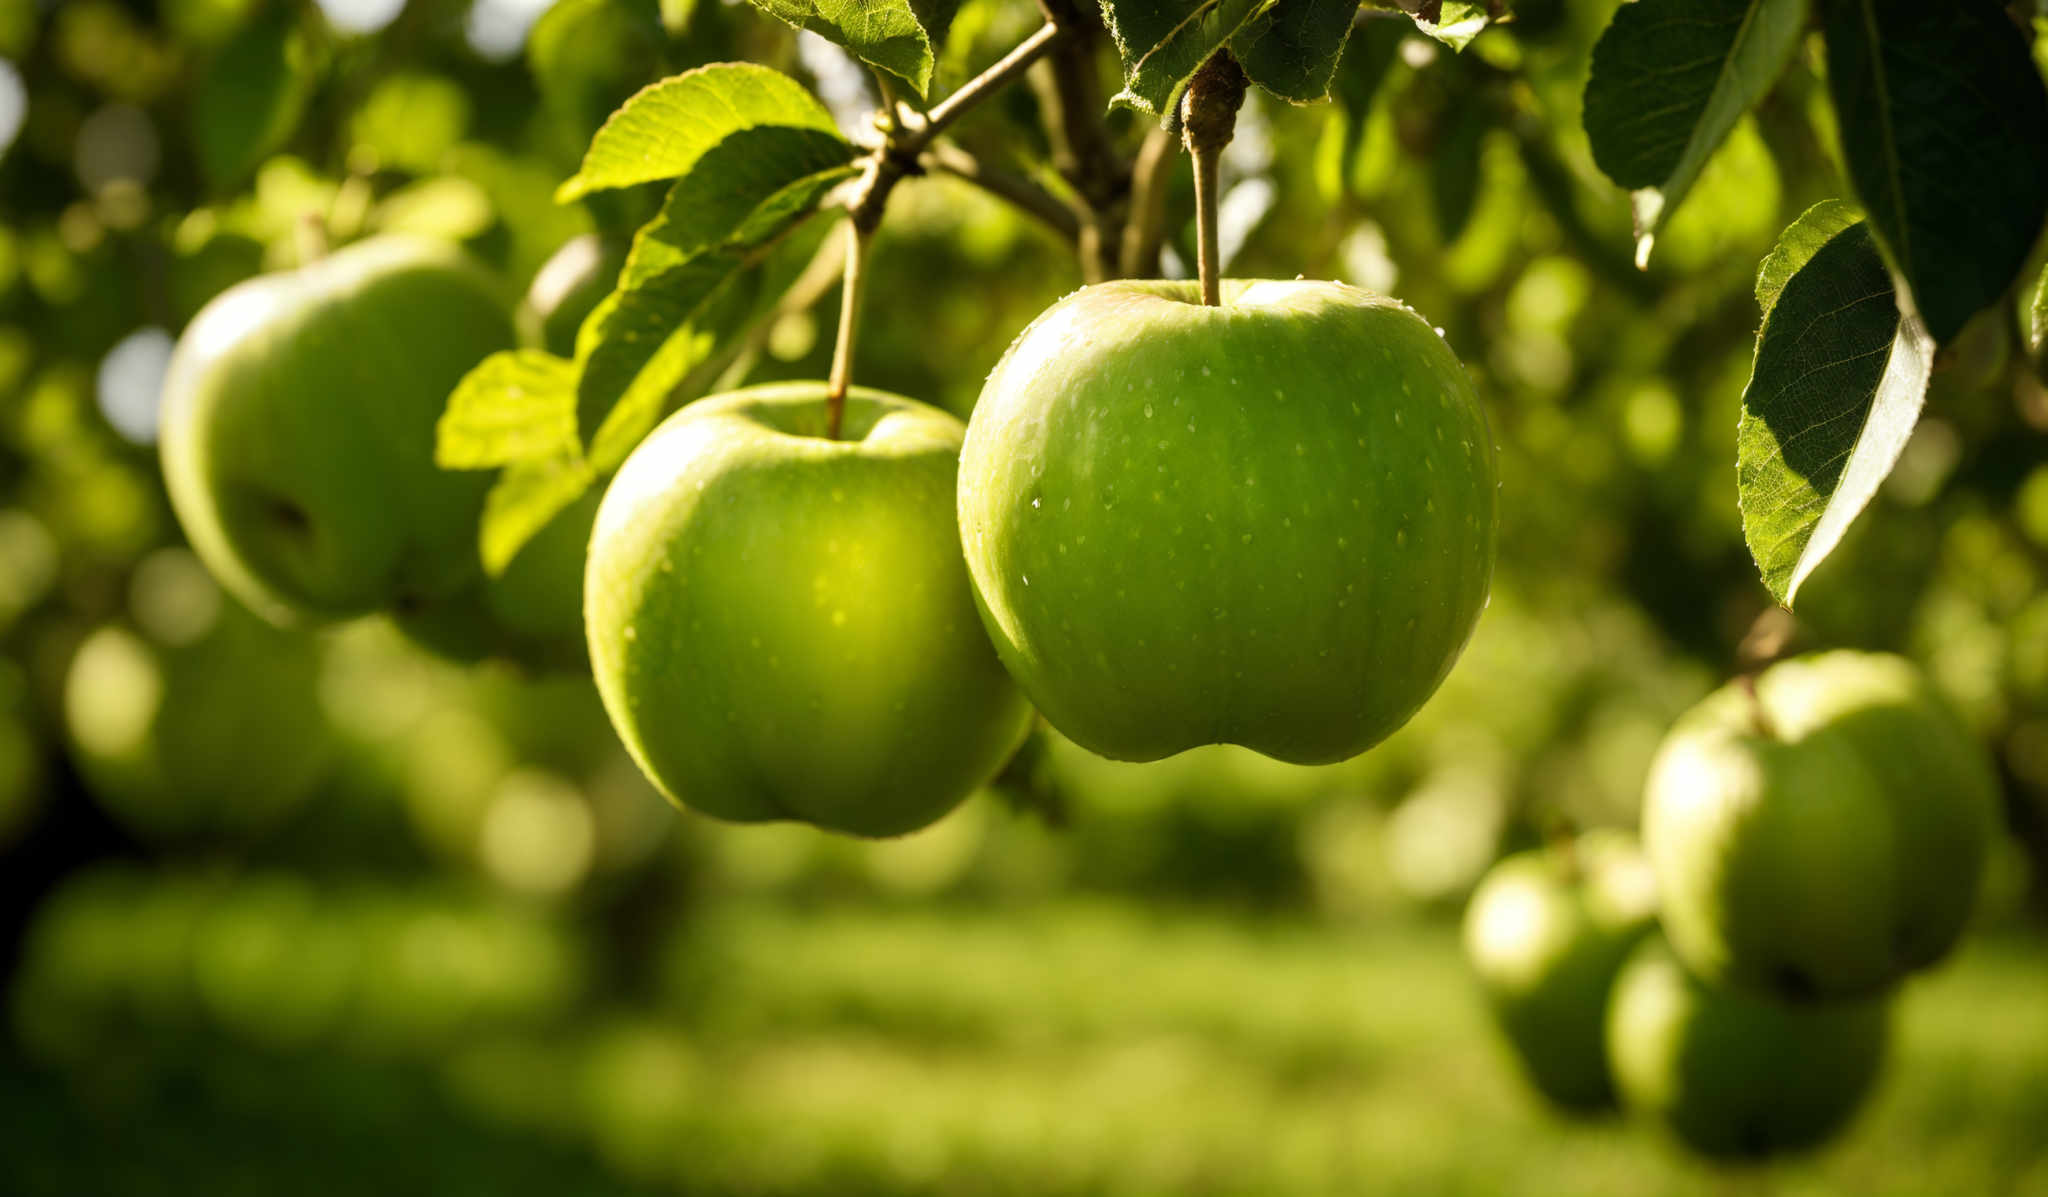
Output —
(1078, 1047)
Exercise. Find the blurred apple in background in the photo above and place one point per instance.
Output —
(195, 717)
(1732, 1074)
(1547, 931)
(1821, 831)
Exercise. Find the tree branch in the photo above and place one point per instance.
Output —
(979, 88)
(1013, 188)
(1145, 230)
(1082, 150)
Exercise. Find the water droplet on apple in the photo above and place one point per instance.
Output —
(1205, 371)
(1034, 503)
(1148, 411)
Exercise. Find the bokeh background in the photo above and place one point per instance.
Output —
(301, 913)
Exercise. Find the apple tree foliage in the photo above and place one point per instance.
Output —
(1942, 142)
(1460, 160)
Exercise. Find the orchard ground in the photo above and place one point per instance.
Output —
(1077, 1047)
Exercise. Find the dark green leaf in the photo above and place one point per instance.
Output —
(1944, 123)
(677, 297)
(2038, 325)
(252, 97)
(521, 502)
(515, 405)
(886, 34)
(1292, 48)
(665, 128)
(1454, 170)
(1670, 79)
(1374, 50)
(1839, 379)
(1161, 43)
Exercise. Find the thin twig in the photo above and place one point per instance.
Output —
(1151, 177)
(819, 275)
(1019, 190)
(979, 88)
(1082, 149)
(855, 274)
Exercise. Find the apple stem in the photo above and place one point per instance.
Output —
(1757, 714)
(1208, 120)
(309, 236)
(857, 238)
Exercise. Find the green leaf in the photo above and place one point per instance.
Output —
(1454, 165)
(678, 295)
(1796, 246)
(1292, 48)
(410, 121)
(1839, 380)
(886, 34)
(1456, 22)
(1944, 125)
(521, 502)
(1670, 79)
(251, 98)
(588, 56)
(666, 127)
(516, 405)
(1453, 22)
(1161, 43)
(2038, 326)
(445, 208)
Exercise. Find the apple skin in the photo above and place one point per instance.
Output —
(221, 737)
(780, 624)
(1268, 523)
(530, 616)
(1735, 1075)
(1546, 931)
(298, 430)
(1823, 838)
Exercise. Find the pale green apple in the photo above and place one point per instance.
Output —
(1734, 1074)
(1546, 931)
(1268, 523)
(1820, 832)
(530, 615)
(223, 734)
(780, 624)
(298, 430)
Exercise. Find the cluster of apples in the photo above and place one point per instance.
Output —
(298, 449)
(1811, 837)
(1268, 522)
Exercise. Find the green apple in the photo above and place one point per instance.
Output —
(1547, 930)
(780, 623)
(530, 615)
(1268, 523)
(1820, 832)
(565, 290)
(298, 430)
(1733, 1074)
(221, 735)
